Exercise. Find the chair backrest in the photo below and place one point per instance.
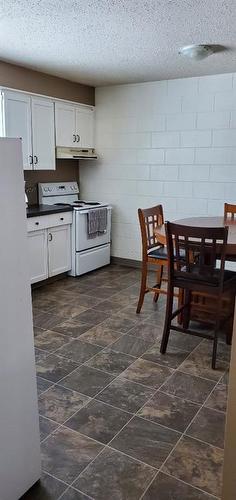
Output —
(229, 211)
(150, 218)
(193, 251)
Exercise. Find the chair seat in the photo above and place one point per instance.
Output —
(211, 279)
(158, 253)
(161, 253)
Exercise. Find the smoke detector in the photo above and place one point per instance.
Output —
(197, 52)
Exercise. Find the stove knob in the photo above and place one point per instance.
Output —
(49, 189)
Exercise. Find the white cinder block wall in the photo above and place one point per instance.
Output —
(171, 142)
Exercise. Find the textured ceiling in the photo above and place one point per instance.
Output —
(102, 42)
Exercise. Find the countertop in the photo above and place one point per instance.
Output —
(38, 210)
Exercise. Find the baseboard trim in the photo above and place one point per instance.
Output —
(126, 262)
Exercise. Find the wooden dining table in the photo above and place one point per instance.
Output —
(203, 305)
(206, 222)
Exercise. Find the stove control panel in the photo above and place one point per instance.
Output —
(57, 188)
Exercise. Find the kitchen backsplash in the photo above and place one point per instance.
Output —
(66, 170)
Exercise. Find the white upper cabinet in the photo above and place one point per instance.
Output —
(65, 125)
(74, 125)
(31, 119)
(16, 122)
(43, 134)
(85, 127)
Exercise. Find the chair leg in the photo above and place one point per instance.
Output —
(229, 332)
(159, 280)
(216, 332)
(166, 331)
(142, 288)
(186, 311)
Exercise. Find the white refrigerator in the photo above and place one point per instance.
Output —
(19, 428)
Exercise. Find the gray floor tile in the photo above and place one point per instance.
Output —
(131, 345)
(66, 453)
(119, 323)
(125, 478)
(72, 328)
(147, 441)
(110, 361)
(78, 351)
(168, 488)
(199, 363)
(46, 427)
(209, 426)
(186, 386)
(40, 355)
(172, 358)
(147, 373)
(170, 411)
(72, 494)
(125, 395)
(59, 403)
(54, 367)
(43, 385)
(218, 399)
(99, 421)
(68, 310)
(147, 332)
(198, 464)
(87, 380)
(49, 340)
(92, 317)
(100, 335)
(45, 320)
(183, 341)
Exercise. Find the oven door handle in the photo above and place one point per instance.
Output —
(81, 212)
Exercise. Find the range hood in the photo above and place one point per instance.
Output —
(76, 153)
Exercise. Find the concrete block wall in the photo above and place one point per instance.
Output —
(171, 142)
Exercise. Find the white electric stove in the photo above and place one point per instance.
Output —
(87, 253)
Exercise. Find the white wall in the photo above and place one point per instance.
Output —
(171, 142)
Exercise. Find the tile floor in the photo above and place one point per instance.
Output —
(117, 419)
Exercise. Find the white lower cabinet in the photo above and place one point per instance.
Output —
(49, 248)
(38, 260)
(59, 250)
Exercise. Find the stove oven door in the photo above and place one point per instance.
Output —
(82, 241)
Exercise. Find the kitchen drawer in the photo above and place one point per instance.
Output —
(46, 221)
(92, 259)
(59, 219)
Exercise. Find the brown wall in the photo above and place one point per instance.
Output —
(66, 170)
(229, 476)
(17, 77)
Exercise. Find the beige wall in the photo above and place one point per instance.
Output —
(229, 477)
(21, 78)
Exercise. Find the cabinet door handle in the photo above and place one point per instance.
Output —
(74, 138)
(61, 218)
(35, 159)
(78, 137)
(36, 223)
(50, 237)
(31, 160)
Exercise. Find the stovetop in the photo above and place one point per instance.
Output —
(81, 204)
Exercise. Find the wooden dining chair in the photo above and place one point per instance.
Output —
(153, 252)
(229, 211)
(192, 254)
